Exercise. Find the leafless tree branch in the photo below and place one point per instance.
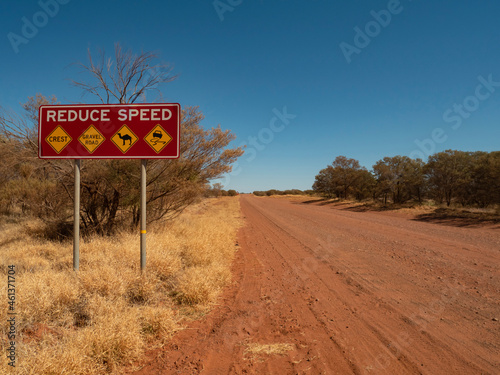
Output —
(126, 79)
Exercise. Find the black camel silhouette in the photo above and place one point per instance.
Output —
(126, 137)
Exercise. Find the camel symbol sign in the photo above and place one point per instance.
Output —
(109, 131)
(124, 139)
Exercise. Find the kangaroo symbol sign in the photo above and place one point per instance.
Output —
(109, 131)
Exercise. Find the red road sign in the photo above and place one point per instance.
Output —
(109, 131)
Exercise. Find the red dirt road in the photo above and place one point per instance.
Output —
(351, 293)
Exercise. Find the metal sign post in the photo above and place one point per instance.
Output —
(143, 214)
(76, 218)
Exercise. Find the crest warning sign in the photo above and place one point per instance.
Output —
(58, 139)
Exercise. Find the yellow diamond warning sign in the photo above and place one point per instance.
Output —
(158, 138)
(124, 138)
(58, 139)
(91, 139)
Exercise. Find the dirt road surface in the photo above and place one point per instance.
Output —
(348, 292)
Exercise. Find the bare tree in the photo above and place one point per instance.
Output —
(24, 128)
(172, 184)
(126, 78)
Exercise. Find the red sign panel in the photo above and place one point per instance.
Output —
(109, 131)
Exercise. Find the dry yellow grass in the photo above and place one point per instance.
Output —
(105, 316)
(268, 349)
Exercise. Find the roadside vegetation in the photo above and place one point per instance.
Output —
(105, 316)
(451, 178)
(216, 190)
(109, 194)
(272, 192)
(452, 186)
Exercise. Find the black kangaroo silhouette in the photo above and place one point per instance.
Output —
(125, 137)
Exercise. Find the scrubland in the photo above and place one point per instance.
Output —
(105, 316)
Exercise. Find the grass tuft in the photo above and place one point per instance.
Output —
(107, 315)
(268, 349)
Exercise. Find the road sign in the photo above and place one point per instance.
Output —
(109, 131)
(58, 139)
(116, 131)
(91, 139)
(124, 139)
(158, 138)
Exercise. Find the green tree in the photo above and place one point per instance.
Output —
(415, 179)
(339, 178)
(448, 172)
(346, 173)
(400, 177)
(324, 183)
(365, 185)
(481, 185)
(493, 177)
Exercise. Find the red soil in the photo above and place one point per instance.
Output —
(353, 293)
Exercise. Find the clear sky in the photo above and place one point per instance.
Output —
(299, 82)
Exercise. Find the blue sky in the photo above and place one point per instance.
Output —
(420, 69)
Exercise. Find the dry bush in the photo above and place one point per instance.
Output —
(207, 255)
(201, 285)
(157, 322)
(104, 317)
(112, 340)
(47, 297)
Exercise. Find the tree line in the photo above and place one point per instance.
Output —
(217, 190)
(451, 176)
(268, 193)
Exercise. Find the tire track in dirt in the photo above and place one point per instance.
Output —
(345, 313)
(433, 341)
(353, 293)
